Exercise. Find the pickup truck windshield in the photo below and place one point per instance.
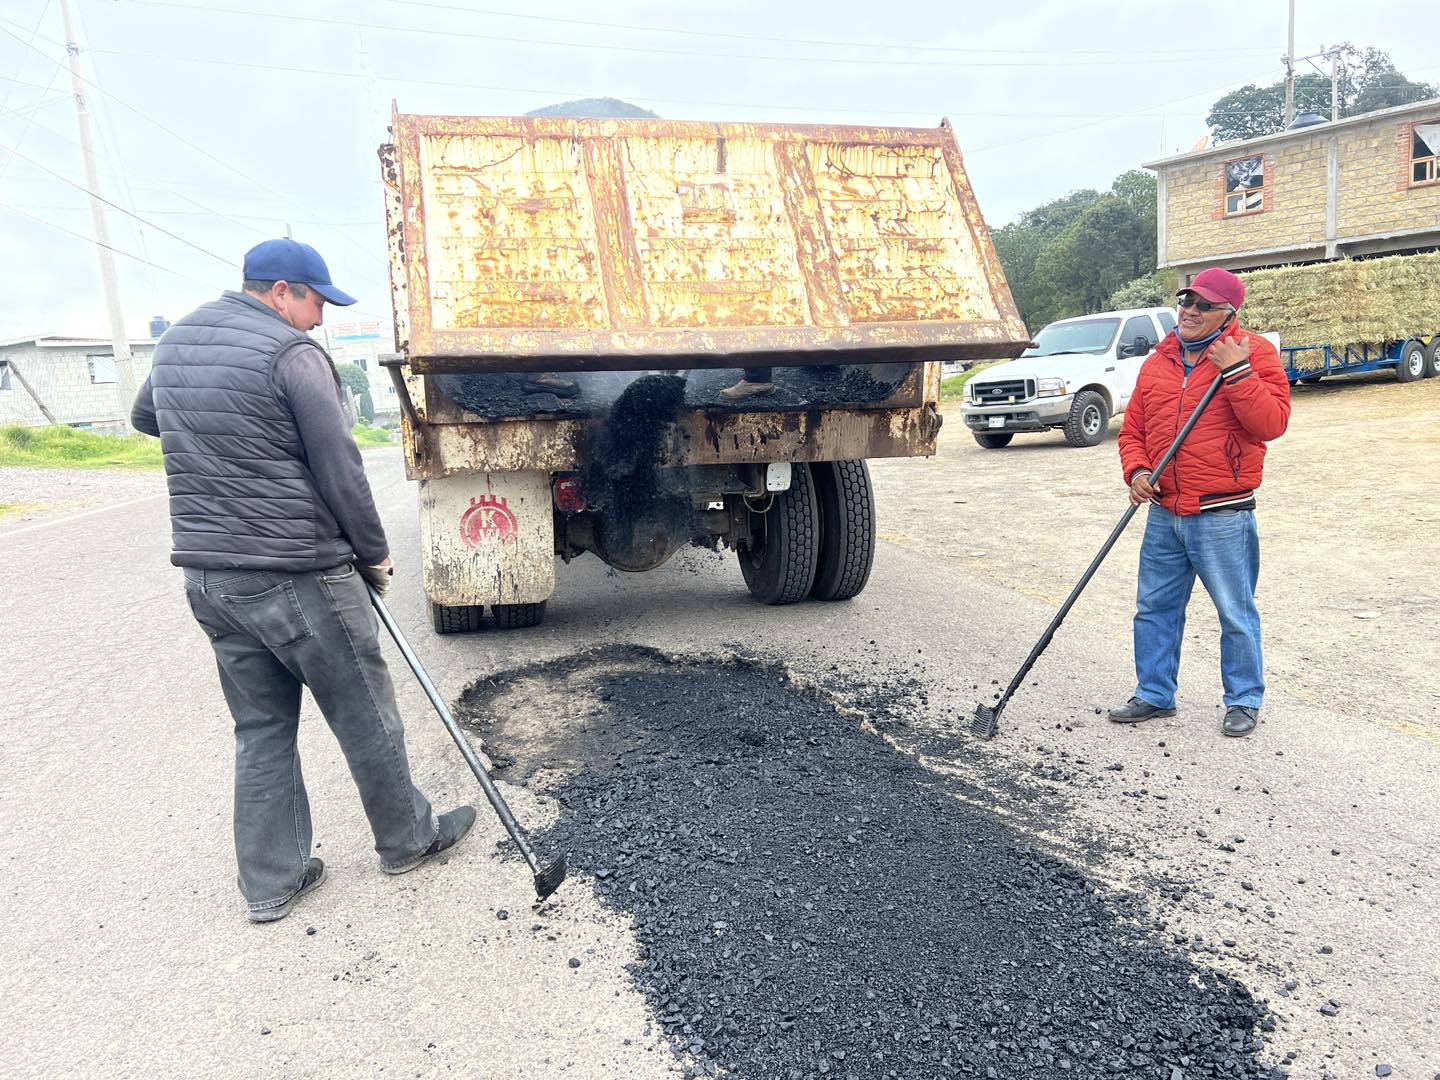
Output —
(1087, 336)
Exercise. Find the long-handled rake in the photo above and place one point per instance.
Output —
(986, 721)
(547, 878)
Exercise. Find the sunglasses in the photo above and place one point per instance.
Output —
(1202, 306)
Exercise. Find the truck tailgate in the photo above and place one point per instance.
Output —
(541, 244)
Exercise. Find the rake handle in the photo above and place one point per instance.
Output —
(1159, 468)
(497, 801)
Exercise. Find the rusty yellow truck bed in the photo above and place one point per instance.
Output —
(549, 244)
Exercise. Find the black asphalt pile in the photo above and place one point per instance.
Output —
(795, 388)
(621, 474)
(811, 903)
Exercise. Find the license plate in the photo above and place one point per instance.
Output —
(997, 421)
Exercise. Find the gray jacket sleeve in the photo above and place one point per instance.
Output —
(306, 379)
(142, 413)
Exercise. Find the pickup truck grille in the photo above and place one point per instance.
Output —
(1004, 392)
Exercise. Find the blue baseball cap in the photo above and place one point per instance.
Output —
(290, 260)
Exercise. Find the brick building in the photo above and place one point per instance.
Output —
(47, 379)
(1364, 185)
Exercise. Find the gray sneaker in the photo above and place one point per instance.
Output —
(454, 824)
(1135, 710)
(309, 881)
(1239, 720)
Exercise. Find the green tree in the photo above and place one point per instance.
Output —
(353, 377)
(1367, 80)
(1068, 256)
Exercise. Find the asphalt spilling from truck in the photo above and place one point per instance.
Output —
(516, 394)
(811, 902)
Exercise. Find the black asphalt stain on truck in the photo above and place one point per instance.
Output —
(810, 902)
(837, 386)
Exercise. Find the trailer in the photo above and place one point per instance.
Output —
(1411, 360)
(571, 295)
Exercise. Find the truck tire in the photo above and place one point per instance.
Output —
(1412, 362)
(1088, 419)
(847, 528)
(779, 561)
(996, 441)
(1432, 357)
(518, 616)
(463, 619)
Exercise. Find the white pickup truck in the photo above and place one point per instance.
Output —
(1079, 374)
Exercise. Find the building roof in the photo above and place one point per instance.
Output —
(60, 341)
(1238, 147)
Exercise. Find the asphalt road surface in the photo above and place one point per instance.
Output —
(1296, 867)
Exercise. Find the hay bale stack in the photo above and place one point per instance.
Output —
(1344, 303)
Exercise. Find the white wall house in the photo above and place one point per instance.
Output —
(48, 379)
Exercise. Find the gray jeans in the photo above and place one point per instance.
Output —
(273, 633)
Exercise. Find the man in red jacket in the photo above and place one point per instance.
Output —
(1201, 521)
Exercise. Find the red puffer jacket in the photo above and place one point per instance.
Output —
(1219, 464)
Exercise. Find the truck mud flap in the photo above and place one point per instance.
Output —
(487, 538)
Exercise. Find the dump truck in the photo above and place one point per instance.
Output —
(571, 295)
(1351, 316)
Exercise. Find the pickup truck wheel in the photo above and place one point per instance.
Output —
(1412, 362)
(518, 616)
(847, 528)
(995, 441)
(463, 619)
(1432, 357)
(1089, 416)
(780, 558)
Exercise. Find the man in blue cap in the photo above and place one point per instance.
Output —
(275, 526)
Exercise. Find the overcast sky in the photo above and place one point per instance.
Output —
(219, 122)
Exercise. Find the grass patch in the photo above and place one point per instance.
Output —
(62, 447)
(953, 388)
(367, 436)
(13, 508)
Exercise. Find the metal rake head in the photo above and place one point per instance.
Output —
(986, 721)
(548, 878)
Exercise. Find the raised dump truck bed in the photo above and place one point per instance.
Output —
(851, 258)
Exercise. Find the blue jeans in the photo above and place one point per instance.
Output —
(1222, 548)
(272, 634)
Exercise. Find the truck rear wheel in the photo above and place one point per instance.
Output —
(1432, 357)
(1412, 362)
(994, 442)
(779, 560)
(463, 619)
(1089, 416)
(518, 616)
(847, 529)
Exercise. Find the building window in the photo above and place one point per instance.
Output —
(4, 374)
(1244, 186)
(1425, 152)
(102, 368)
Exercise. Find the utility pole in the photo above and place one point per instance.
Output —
(1334, 85)
(124, 366)
(1290, 69)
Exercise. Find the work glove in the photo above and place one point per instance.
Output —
(377, 576)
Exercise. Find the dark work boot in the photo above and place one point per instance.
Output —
(1239, 720)
(313, 876)
(454, 824)
(1135, 710)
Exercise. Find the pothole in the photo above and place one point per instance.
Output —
(811, 902)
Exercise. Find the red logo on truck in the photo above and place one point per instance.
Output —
(488, 521)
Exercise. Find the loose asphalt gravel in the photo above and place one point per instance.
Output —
(811, 902)
(795, 387)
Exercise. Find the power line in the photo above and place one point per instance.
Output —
(198, 149)
(651, 50)
(827, 43)
(81, 187)
(92, 240)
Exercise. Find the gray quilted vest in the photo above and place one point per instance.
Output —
(241, 495)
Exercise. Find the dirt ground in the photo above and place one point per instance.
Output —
(1349, 510)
